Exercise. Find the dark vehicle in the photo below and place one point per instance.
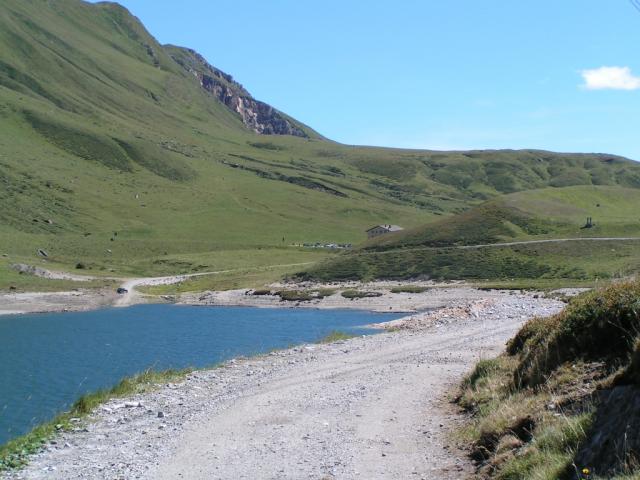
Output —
(122, 291)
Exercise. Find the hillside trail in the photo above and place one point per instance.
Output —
(130, 284)
(132, 296)
(508, 244)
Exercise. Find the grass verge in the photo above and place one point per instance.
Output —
(409, 289)
(335, 336)
(14, 454)
(554, 402)
(351, 294)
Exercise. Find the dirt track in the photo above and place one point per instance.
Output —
(373, 407)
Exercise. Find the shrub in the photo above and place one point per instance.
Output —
(262, 291)
(324, 292)
(294, 295)
(335, 336)
(266, 146)
(409, 289)
(351, 294)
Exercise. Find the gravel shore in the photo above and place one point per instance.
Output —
(369, 407)
(435, 296)
(42, 302)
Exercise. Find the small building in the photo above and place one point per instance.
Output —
(382, 229)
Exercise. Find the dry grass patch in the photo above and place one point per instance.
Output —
(532, 408)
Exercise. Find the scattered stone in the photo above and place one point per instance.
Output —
(317, 424)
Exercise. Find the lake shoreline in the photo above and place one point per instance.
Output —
(55, 302)
(160, 445)
(383, 299)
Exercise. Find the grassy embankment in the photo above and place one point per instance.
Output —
(562, 397)
(443, 250)
(14, 281)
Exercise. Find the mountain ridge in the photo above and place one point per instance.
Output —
(104, 131)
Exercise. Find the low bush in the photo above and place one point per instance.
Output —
(335, 336)
(294, 295)
(305, 295)
(263, 291)
(351, 294)
(409, 289)
(324, 292)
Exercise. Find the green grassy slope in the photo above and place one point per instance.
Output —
(433, 249)
(112, 153)
(561, 398)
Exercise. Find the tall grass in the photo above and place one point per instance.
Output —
(533, 407)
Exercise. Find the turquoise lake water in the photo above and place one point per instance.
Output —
(48, 360)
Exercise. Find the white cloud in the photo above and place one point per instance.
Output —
(610, 78)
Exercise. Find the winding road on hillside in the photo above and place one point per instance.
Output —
(507, 244)
(132, 296)
(553, 240)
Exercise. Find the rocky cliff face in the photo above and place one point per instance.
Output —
(257, 116)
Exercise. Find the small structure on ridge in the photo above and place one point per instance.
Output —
(382, 229)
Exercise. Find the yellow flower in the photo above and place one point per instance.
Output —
(586, 471)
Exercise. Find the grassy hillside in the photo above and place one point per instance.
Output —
(563, 398)
(434, 249)
(112, 153)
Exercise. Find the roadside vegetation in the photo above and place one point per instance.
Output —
(335, 336)
(304, 295)
(564, 395)
(353, 294)
(15, 453)
(409, 289)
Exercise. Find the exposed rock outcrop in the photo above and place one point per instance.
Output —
(257, 116)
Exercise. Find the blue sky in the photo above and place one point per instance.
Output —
(434, 74)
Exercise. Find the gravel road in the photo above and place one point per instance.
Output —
(373, 407)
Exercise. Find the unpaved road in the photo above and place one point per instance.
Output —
(90, 299)
(504, 244)
(132, 297)
(368, 408)
(555, 240)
